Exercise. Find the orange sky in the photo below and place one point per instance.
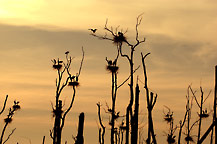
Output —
(181, 37)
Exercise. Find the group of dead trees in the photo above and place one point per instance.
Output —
(128, 129)
(65, 78)
(202, 114)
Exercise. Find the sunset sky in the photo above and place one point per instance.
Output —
(180, 34)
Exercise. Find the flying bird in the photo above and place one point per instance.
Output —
(93, 30)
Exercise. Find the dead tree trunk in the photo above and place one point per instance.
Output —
(135, 117)
(43, 141)
(215, 97)
(214, 123)
(63, 70)
(57, 129)
(151, 100)
(102, 129)
(80, 137)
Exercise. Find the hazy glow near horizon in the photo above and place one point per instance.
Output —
(181, 36)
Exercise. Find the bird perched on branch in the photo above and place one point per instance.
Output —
(93, 30)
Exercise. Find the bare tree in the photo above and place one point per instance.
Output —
(102, 129)
(63, 69)
(203, 113)
(214, 123)
(8, 119)
(118, 37)
(151, 101)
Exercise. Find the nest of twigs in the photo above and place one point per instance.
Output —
(123, 127)
(8, 120)
(55, 112)
(204, 115)
(119, 38)
(112, 68)
(168, 118)
(189, 139)
(16, 107)
(171, 139)
(73, 83)
(57, 66)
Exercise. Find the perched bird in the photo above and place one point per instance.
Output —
(120, 34)
(114, 62)
(54, 61)
(93, 30)
(109, 62)
(60, 61)
(66, 52)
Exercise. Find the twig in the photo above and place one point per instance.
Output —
(3, 108)
(9, 135)
(128, 78)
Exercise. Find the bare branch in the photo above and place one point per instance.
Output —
(138, 22)
(194, 124)
(69, 108)
(51, 134)
(155, 99)
(109, 30)
(9, 135)
(82, 60)
(128, 78)
(193, 93)
(101, 124)
(123, 55)
(144, 67)
(43, 140)
(207, 96)
(3, 108)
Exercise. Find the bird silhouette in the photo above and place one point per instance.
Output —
(109, 62)
(93, 30)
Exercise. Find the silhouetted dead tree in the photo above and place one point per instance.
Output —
(8, 120)
(151, 101)
(80, 137)
(215, 99)
(43, 141)
(202, 112)
(102, 129)
(168, 117)
(214, 123)
(4, 105)
(118, 37)
(63, 70)
(189, 127)
(182, 122)
(113, 68)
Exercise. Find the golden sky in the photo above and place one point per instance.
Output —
(180, 34)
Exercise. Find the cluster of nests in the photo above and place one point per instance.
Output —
(14, 108)
(119, 38)
(57, 64)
